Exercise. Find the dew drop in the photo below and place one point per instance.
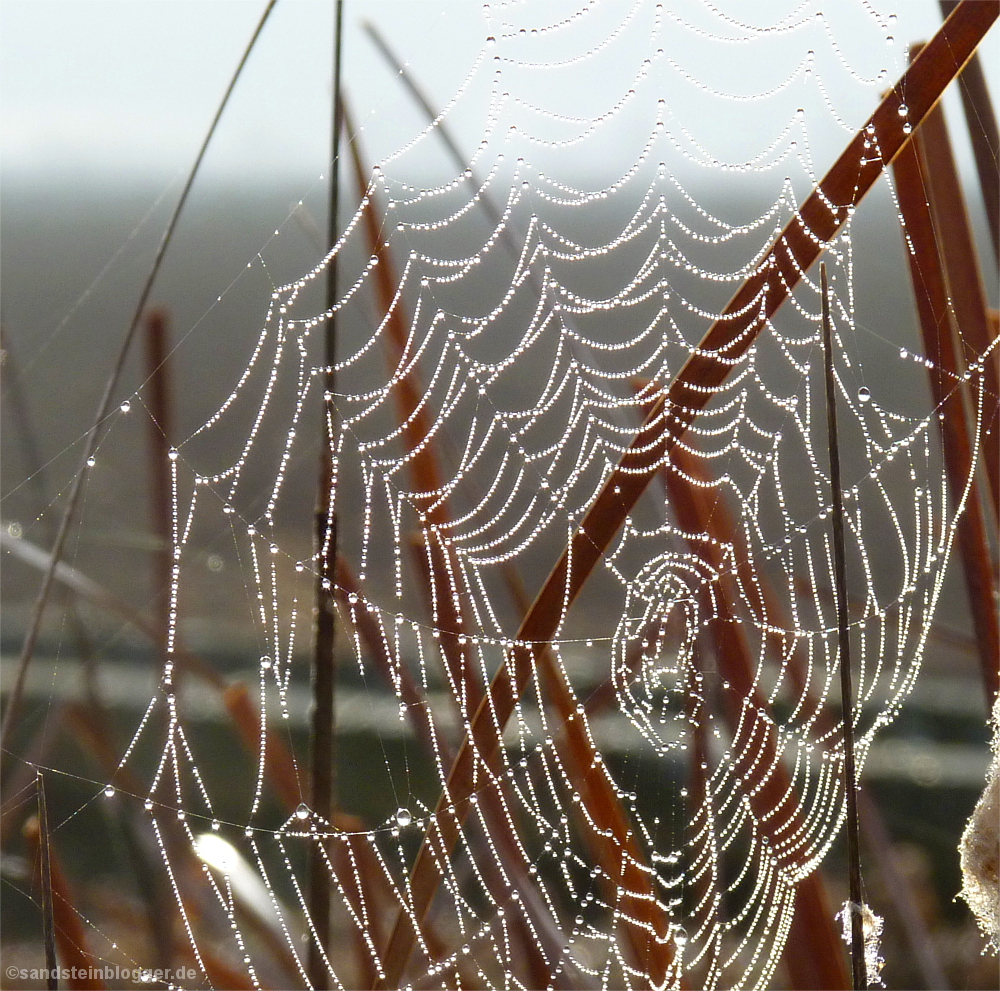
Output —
(864, 394)
(91, 462)
(109, 791)
(491, 41)
(125, 407)
(403, 817)
(302, 812)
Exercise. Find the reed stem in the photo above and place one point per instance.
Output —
(48, 914)
(984, 134)
(324, 674)
(160, 432)
(844, 651)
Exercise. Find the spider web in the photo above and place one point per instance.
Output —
(471, 424)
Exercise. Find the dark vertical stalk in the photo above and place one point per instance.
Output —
(844, 651)
(324, 675)
(104, 407)
(159, 443)
(48, 913)
(985, 136)
(161, 512)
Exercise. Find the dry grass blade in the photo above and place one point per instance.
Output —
(820, 217)
(418, 710)
(812, 955)
(815, 955)
(67, 931)
(435, 742)
(931, 292)
(966, 292)
(440, 569)
(985, 136)
(601, 812)
(366, 899)
(322, 730)
(324, 672)
(280, 770)
(161, 512)
(441, 579)
(43, 854)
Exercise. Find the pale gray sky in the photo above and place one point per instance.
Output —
(108, 87)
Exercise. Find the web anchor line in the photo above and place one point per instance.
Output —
(858, 968)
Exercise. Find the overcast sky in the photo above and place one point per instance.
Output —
(99, 87)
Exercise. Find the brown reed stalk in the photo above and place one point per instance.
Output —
(44, 854)
(818, 220)
(11, 713)
(812, 937)
(61, 922)
(982, 123)
(280, 770)
(815, 959)
(160, 486)
(322, 737)
(927, 274)
(440, 573)
(771, 616)
(706, 896)
(964, 281)
(813, 953)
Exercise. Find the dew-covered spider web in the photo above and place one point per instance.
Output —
(671, 772)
